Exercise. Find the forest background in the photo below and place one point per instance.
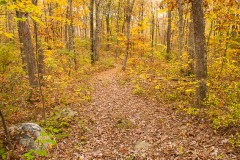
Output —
(51, 48)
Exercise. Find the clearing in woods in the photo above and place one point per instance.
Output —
(127, 126)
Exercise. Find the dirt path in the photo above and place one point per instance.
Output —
(127, 126)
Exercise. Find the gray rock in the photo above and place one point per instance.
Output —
(30, 136)
(67, 112)
(142, 146)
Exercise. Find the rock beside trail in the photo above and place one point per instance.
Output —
(67, 112)
(142, 146)
(30, 136)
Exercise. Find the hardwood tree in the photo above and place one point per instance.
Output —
(169, 29)
(191, 45)
(180, 28)
(153, 25)
(91, 8)
(108, 27)
(117, 27)
(129, 10)
(40, 63)
(38, 48)
(97, 30)
(27, 48)
(200, 50)
(71, 33)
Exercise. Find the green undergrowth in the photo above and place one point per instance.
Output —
(59, 121)
(63, 85)
(63, 122)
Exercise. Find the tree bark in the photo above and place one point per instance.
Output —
(6, 131)
(118, 29)
(66, 29)
(91, 8)
(71, 33)
(39, 50)
(128, 34)
(180, 28)
(141, 31)
(97, 31)
(70, 27)
(169, 28)
(27, 48)
(108, 24)
(153, 26)
(39, 57)
(200, 50)
(191, 45)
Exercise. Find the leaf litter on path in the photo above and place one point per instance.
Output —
(146, 129)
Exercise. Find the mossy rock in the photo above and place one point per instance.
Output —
(124, 123)
(30, 136)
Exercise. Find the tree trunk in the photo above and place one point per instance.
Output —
(118, 29)
(9, 28)
(108, 24)
(39, 50)
(128, 21)
(141, 31)
(153, 26)
(97, 31)
(66, 29)
(169, 28)
(180, 28)
(142, 16)
(92, 31)
(191, 46)
(27, 48)
(71, 34)
(70, 27)
(200, 50)
(6, 131)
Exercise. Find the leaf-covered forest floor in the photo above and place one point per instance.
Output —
(117, 124)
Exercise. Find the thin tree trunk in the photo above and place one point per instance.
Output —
(128, 34)
(39, 50)
(169, 29)
(191, 45)
(8, 25)
(153, 26)
(66, 29)
(92, 31)
(157, 35)
(141, 24)
(108, 24)
(117, 26)
(97, 31)
(210, 33)
(71, 33)
(200, 50)
(6, 131)
(142, 15)
(39, 65)
(70, 27)
(180, 28)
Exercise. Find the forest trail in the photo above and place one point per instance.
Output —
(126, 126)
